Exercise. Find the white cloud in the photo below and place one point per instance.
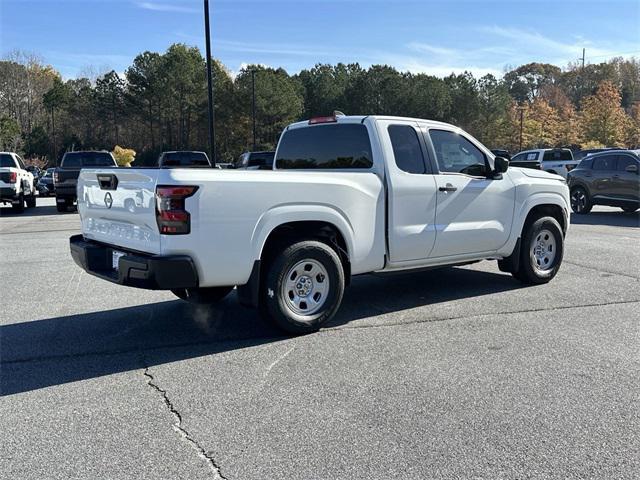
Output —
(529, 44)
(167, 7)
(436, 50)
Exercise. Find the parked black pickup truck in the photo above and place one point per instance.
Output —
(66, 176)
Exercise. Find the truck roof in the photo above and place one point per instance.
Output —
(361, 118)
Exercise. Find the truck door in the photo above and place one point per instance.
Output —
(411, 191)
(474, 213)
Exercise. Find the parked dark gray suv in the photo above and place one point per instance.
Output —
(606, 178)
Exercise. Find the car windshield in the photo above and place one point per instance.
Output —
(6, 160)
(87, 159)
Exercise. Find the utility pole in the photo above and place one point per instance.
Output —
(521, 108)
(212, 138)
(583, 50)
(253, 105)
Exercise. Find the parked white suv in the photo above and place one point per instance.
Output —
(553, 160)
(348, 195)
(16, 183)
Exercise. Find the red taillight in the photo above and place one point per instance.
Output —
(13, 177)
(171, 215)
(329, 119)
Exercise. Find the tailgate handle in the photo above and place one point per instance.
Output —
(107, 181)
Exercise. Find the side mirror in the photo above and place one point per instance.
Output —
(501, 165)
(632, 168)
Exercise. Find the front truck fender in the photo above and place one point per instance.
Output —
(283, 214)
(520, 217)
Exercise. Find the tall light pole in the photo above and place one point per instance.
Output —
(253, 105)
(521, 109)
(212, 138)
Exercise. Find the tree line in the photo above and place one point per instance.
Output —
(160, 103)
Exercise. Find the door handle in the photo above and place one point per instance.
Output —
(448, 188)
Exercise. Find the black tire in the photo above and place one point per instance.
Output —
(536, 237)
(18, 207)
(277, 304)
(208, 295)
(31, 200)
(629, 209)
(61, 207)
(580, 201)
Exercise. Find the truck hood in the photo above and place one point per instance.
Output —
(532, 173)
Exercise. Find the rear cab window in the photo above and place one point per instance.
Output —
(87, 159)
(185, 159)
(406, 148)
(322, 147)
(7, 161)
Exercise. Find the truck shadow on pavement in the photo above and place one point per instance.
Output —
(38, 211)
(612, 219)
(55, 351)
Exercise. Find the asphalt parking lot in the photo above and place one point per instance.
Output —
(454, 373)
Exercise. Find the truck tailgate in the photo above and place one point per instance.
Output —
(118, 206)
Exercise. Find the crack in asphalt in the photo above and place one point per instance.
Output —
(611, 272)
(177, 426)
(136, 349)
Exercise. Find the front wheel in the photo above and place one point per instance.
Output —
(303, 287)
(206, 295)
(541, 252)
(580, 202)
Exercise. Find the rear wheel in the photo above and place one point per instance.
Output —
(207, 295)
(629, 209)
(541, 252)
(31, 200)
(61, 206)
(580, 202)
(303, 287)
(18, 206)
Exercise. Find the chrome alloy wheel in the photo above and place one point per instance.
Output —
(543, 251)
(578, 200)
(306, 287)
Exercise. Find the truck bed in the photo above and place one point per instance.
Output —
(232, 213)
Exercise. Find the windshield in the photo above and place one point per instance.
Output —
(7, 160)
(87, 159)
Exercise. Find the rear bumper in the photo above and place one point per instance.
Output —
(151, 272)
(65, 191)
(8, 193)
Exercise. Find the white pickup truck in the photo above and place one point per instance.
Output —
(17, 185)
(348, 195)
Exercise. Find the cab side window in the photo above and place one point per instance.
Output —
(456, 154)
(604, 162)
(406, 148)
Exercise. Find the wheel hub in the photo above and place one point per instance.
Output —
(306, 287)
(543, 251)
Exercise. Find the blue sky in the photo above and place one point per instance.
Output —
(436, 37)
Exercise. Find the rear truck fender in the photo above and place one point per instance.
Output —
(544, 203)
(290, 214)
